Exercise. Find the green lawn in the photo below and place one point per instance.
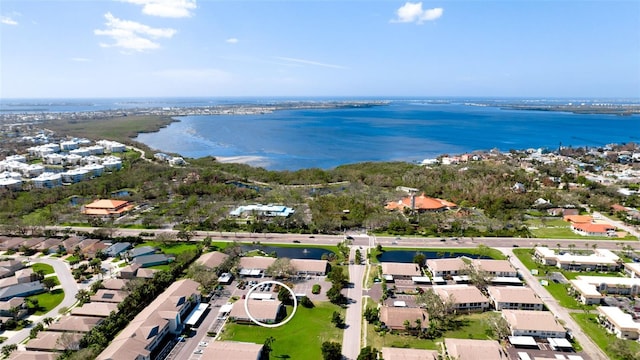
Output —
(45, 268)
(559, 292)
(48, 300)
(473, 326)
(172, 248)
(597, 333)
(300, 338)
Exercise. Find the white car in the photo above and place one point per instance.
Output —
(199, 351)
(203, 343)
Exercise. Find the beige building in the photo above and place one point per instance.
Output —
(394, 317)
(95, 309)
(164, 316)
(110, 296)
(310, 266)
(514, 298)
(541, 324)
(618, 322)
(254, 265)
(54, 341)
(267, 311)
(390, 353)
(232, 350)
(212, 259)
(70, 323)
(400, 270)
(464, 297)
(495, 268)
(33, 355)
(446, 267)
(470, 349)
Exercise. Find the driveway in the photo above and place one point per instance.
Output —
(68, 284)
(588, 346)
(352, 334)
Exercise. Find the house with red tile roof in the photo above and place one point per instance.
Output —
(420, 203)
(588, 229)
(106, 207)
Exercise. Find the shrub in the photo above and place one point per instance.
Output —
(316, 289)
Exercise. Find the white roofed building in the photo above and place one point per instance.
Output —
(464, 297)
(600, 260)
(541, 324)
(618, 322)
(263, 210)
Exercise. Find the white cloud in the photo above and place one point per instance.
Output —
(413, 12)
(8, 21)
(232, 41)
(131, 35)
(308, 62)
(166, 8)
(80, 59)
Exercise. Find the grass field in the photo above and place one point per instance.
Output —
(473, 326)
(597, 333)
(45, 268)
(117, 128)
(48, 300)
(300, 338)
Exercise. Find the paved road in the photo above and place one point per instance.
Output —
(352, 334)
(588, 346)
(70, 290)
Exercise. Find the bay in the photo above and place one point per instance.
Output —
(399, 131)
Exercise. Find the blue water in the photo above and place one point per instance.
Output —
(406, 256)
(404, 131)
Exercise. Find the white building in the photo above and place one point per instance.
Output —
(600, 260)
(607, 285)
(10, 184)
(263, 210)
(618, 322)
(75, 175)
(68, 145)
(112, 146)
(112, 163)
(47, 180)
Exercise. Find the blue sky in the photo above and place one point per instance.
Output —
(154, 48)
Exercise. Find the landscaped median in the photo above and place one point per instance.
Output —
(300, 338)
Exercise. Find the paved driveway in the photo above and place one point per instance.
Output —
(588, 346)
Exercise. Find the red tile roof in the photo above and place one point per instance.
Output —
(421, 202)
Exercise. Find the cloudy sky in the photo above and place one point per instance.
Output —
(150, 48)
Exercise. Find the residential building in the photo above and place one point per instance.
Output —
(254, 265)
(420, 203)
(392, 353)
(212, 259)
(514, 298)
(268, 311)
(95, 309)
(71, 323)
(589, 229)
(147, 334)
(586, 293)
(152, 260)
(54, 341)
(393, 270)
(464, 298)
(446, 267)
(471, 349)
(608, 284)
(495, 268)
(141, 251)
(110, 296)
(21, 290)
(33, 355)
(632, 269)
(310, 267)
(117, 248)
(263, 210)
(394, 318)
(232, 350)
(107, 207)
(599, 260)
(540, 324)
(129, 271)
(619, 323)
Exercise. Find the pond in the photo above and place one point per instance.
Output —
(290, 252)
(406, 256)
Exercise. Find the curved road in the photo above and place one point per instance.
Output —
(67, 282)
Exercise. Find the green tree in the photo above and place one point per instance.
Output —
(267, 347)
(337, 320)
(331, 350)
(368, 353)
(49, 283)
(419, 258)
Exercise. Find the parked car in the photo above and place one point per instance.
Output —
(296, 241)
